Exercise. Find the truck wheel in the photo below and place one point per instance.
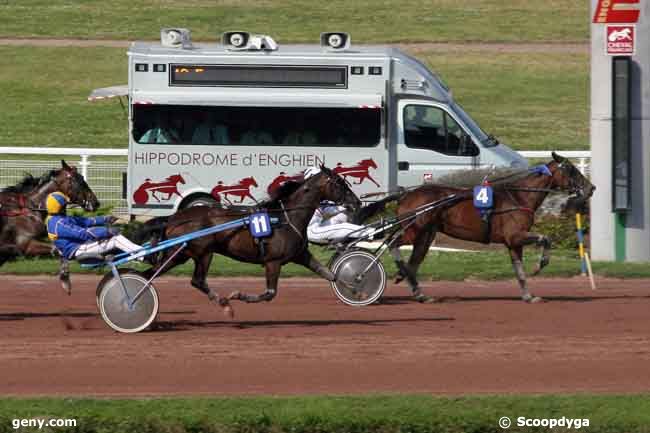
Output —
(200, 201)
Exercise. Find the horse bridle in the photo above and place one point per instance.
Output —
(569, 171)
(340, 182)
(75, 187)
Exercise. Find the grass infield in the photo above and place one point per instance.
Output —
(438, 265)
(302, 21)
(323, 414)
(529, 100)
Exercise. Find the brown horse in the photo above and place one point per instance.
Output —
(23, 213)
(294, 204)
(508, 223)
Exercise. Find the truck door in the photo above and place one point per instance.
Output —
(431, 143)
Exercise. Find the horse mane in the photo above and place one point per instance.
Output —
(283, 191)
(29, 183)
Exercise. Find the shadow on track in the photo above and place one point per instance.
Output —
(66, 315)
(547, 299)
(184, 325)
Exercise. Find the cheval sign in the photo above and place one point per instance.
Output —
(620, 40)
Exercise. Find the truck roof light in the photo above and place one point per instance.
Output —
(176, 38)
(239, 41)
(335, 41)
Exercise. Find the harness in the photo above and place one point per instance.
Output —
(21, 208)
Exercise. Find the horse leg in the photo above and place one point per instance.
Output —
(307, 260)
(545, 256)
(37, 248)
(272, 274)
(516, 255)
(420, 250)
(405, 272)
(199, 280)
(372, 180)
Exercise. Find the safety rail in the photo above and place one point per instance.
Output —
(103, 169)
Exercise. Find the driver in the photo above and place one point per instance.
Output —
(330, 221)
(75, 236)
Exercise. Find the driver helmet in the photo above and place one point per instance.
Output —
(56, 203)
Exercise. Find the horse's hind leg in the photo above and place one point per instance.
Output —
(272, 275)
(405, 272)
(516, 255)
(199, 280)
(307, 260)
(420, 250)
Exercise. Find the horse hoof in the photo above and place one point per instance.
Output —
(234, 295)
(424, 299)
(533, 299)
(65, 284)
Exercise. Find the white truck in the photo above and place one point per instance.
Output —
(229, 122)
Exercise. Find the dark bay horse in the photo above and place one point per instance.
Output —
(23, 213)
(512, 216)
(293, 203)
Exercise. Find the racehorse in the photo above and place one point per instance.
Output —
(508, 223)
(293, 204)
(22, 211)
(242, 189)
(359, 171)
(169, 186)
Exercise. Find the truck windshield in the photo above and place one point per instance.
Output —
(256, 126)
(476, 130)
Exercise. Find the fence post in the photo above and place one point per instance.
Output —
(84, 166)
(582, 166)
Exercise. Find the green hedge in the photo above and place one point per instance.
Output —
(386, 414)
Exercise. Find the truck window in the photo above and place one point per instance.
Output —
(432, 128)
(256, 126)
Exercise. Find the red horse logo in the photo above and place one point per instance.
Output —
(359, 171)
(278, 181)
(168, 186)
(240, 189)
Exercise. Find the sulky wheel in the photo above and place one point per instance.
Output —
(131, 313)
(360, 278)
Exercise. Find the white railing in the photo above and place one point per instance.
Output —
(583, 157)
(103, 168)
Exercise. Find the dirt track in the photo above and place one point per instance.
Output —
(482, 339)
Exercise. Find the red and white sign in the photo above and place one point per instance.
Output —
(620, 40)
(616, 11)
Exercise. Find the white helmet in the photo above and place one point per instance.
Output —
(311, 171)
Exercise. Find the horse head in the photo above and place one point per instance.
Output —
(70, 182)
(368, 163)
(334, 188)
(176, 178)
(248, 182)
(568, 178)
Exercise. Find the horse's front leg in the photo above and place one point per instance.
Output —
(516, 255)
(35, 248)
(545, 256)
(272, 275)
(200, 281)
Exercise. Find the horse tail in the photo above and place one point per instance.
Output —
(376, 207)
